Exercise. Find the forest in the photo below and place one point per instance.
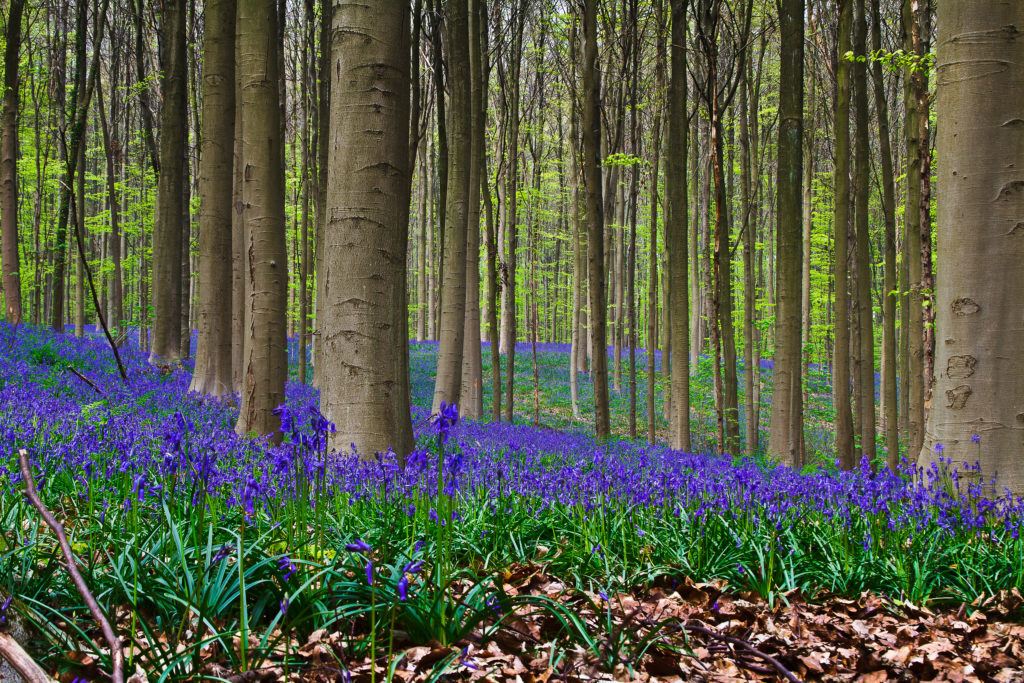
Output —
(511, 340)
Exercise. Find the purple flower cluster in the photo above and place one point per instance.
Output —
(149, 440)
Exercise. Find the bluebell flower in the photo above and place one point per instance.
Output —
(358, 546)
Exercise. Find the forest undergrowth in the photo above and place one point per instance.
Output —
(495, 551)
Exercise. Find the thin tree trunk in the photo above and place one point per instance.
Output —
(924, 24)
(595, 219)
(471, 396)
(508, 314)
(785, 440)
(676, 216)
(448, 382)
(167, 230)
(750, 369)
(889, 216)
(78, 220)
(265, 360)
(114, 158)
(9, 166)
(841, 221)
(652, 274)
(912, 238)
(213, 364)
(866, 395)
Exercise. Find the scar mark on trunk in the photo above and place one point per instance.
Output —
(1017, 229)
(1010, 188)
(1014, 123)
(958, 397)
(965, 306)
(960, 367)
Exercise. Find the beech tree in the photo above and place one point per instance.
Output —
(977, 414)
(448, 381)
(167, 285)
(595, 222)
(365, 391)
(785, 440)
(676, 215)
(213, 362)
(9, 165)
(264, 351)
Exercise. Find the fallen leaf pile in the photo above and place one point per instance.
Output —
(678, 630)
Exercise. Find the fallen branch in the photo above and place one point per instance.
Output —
(739, 642)
(85, 379)
(11, 650)
(116, 655)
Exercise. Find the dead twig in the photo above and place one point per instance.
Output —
(116, 655)
(739, 642)
(85, 379)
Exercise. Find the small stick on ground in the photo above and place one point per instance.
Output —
(11, 650)
(85, 379)
(116, 655)
(739, 642)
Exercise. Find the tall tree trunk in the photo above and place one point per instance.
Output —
(9, 166)
(924, 27)
(785, 440)
(511, 229)
(78, 220)
(865, 316)
(750, 369)
(310, 179)
(472, 396)
(212, 375)
(808, 227)
(595, 219)
(265, 360)
(676, 215)
(422, 257)
(493, 292)
(979, 412)
(363, 265)
(76, 131)
(324, 95)
(239, 296)
(634, 173)
(578, 351)
(841, 221)
(912, 238)
(167, 231)
(889, 216)
(652, 274)
(114, 157)
(448, 382)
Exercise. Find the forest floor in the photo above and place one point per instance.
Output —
(496, 552)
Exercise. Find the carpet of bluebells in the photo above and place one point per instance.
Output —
(199, 541)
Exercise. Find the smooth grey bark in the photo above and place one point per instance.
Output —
(471, 399)
(365, 388)
(595, 219)
(676, 216)
(264, 351)
(448, 381)
(841, 223)
(213, 369)
(979, 389)
(865, 363)
(167, 229)
(785, 440)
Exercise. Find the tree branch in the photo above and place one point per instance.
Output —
(113, 641)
